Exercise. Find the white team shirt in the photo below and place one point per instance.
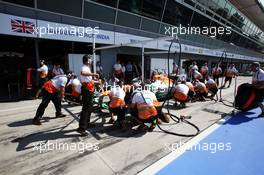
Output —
(258, 76)
(197, 74)
(76, 84)
(194, 68)
(58, 71)
(210, 81)
(148, 96)
(199, 84)
(123, 69)
(59, 81)
(117, 67)
(118, 92)
(44, 69)
(217, 70)
(231, 71)
(85, 79)
(181, 88)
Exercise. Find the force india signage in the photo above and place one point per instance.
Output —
(20, 26)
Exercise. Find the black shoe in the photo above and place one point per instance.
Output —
(111, 121)
(60, 115)
(182, 105)
(142, 128)
(151, 128)
(202, 99)
(175, 104)
(212, 97)
(83, 132)
(36, 122)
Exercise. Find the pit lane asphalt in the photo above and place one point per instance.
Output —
(118, 152)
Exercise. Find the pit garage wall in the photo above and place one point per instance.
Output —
(240, 64)
(109, 56)
(159, 58)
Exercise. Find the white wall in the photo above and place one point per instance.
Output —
(160, 63)
(75, 62)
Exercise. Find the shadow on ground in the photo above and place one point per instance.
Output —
(27, 122)
(242, 117)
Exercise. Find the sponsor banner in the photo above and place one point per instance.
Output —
(164, 45)
(193, 50)
(20, 26)
(122, 38)
(209, 52)
(57, 31)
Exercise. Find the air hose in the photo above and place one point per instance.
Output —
(224, 57)
(172, 116)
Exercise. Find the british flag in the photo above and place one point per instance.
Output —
(22, 26)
